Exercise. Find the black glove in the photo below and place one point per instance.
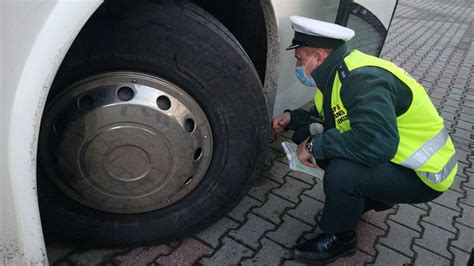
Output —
(303, 132)
(300, 134)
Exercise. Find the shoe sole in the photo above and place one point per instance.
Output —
(323, 262)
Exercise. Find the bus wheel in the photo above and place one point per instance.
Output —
(154, 127)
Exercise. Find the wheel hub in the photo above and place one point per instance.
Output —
(125, 142)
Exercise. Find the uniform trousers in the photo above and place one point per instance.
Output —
(350, 187)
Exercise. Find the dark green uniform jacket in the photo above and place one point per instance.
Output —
(373, 98)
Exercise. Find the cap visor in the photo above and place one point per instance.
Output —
(293, 46)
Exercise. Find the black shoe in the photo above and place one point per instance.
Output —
(324, 249)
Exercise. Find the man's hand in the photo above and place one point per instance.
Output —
(303, 155)
(279, 123)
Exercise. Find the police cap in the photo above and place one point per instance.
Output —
(318, 34)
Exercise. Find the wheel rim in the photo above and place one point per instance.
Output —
(125, 142)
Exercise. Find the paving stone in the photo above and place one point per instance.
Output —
(316, 192)
(469, 97)
(291, 189)
(464, 172)
(239, 212)
(378, 218)
(442, 217)
(360, 258)
(270, 254)
(141, 256)
(466, 117)
(271, 156)
(448, 125)
(457, 91)
(215, 232)
(454, 97)
(309, 179)
(409, 216)
(469, 183)
(449, 199)
(447, 116)
(307, 210)
(463, 134)
(399, 238)
(423, 206)
(467, 217)
(283, 159)
(261, 188)
(452, 103)
(462, 155)
(464, 125)
(460, 143)
(464, 137)
(277, 171)
(463, 168)
(289, 232)
(252, 230)
(229, 254)
(469, 168)
(426, 257)
(187, 253)
(467, 110)
(276, 143)
(465, 238)
(93, 256)
(435, 239)
(274, 208)
(367, 236)
(460, 257)
(387, 256)
(469, 200)
(57, 251)
(456, 186)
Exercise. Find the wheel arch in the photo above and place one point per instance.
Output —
(39, 34)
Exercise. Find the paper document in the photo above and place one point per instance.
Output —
(296, 165)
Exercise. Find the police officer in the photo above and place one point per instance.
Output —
(383, 140)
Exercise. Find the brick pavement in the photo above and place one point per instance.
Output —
(432, 40)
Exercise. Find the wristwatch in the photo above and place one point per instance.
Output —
(309, 145)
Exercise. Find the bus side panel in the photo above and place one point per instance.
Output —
(38, 35)
(290, 93)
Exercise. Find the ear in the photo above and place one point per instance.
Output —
(320, 54)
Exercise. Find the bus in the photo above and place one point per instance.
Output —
(138, 122)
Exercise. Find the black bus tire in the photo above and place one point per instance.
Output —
(181, 43)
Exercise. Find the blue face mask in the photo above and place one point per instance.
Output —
(307, 81)
(301, 76)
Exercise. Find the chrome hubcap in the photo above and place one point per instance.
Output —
(125, 142)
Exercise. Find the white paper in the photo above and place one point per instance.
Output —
(296, 165)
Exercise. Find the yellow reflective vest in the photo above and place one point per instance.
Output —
(425, 145)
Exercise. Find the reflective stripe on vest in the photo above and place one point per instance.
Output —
(429, 151)
(443, 174)
(424, 153)
(318, 102)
